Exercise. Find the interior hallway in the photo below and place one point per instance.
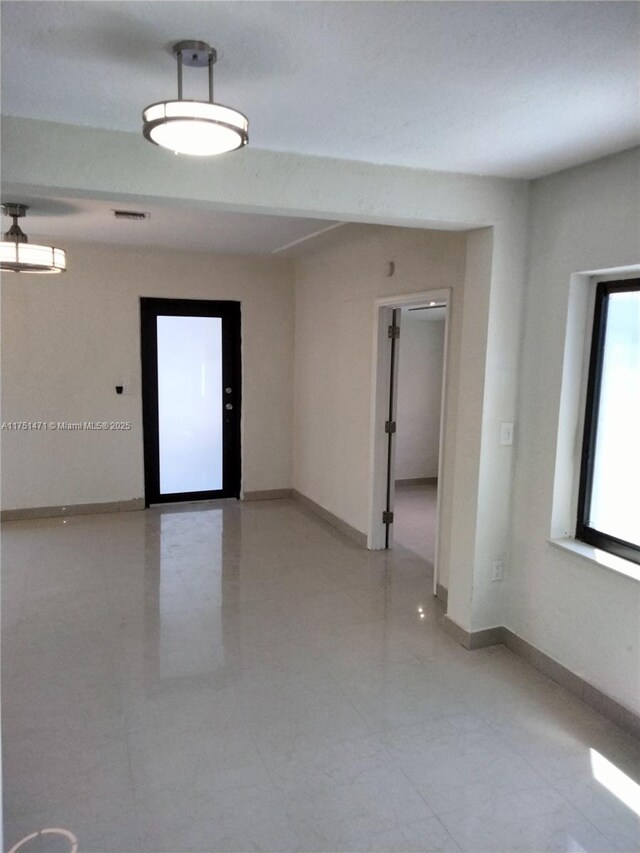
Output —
(238, 677)
(415, 518)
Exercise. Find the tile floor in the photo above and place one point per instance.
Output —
(240, 677)
(415, 518)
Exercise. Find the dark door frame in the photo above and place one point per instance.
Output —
(229, 312)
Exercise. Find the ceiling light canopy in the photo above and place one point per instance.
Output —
(201, 128)
(17, 254)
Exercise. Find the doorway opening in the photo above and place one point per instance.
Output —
(191, 396)
(408, 432)
(417, 436)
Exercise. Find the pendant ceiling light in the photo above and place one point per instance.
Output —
(186, 126)
(17, 254)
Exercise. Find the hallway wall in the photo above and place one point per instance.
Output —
(336, 288)
(419, 395)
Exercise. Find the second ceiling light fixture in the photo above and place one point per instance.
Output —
(202, 128)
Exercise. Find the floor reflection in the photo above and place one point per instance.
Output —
(230, 677)
(191, 603)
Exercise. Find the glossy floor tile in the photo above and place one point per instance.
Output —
(240, 677)
(416, 518)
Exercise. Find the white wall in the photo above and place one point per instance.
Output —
(68, 340)
(581, 614)
(419, 395)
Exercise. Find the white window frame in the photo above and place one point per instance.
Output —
(571, 414)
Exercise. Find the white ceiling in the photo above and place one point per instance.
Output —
(518, 89)
(93, 220)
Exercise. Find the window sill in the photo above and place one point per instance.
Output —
(599, 557)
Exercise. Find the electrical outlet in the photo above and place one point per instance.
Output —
(497, 570)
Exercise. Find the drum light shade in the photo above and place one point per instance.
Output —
(195, 127)
(18, 255)
(199, 128)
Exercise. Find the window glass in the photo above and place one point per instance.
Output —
(190, 403)
(609, 506)
(615, 505)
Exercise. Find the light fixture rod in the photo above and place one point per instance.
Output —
(197, 54)
(15, 211)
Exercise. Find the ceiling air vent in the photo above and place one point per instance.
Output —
(131, 214)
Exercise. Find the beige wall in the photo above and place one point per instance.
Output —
(419, 395)
(68, 340)
(336, 288)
